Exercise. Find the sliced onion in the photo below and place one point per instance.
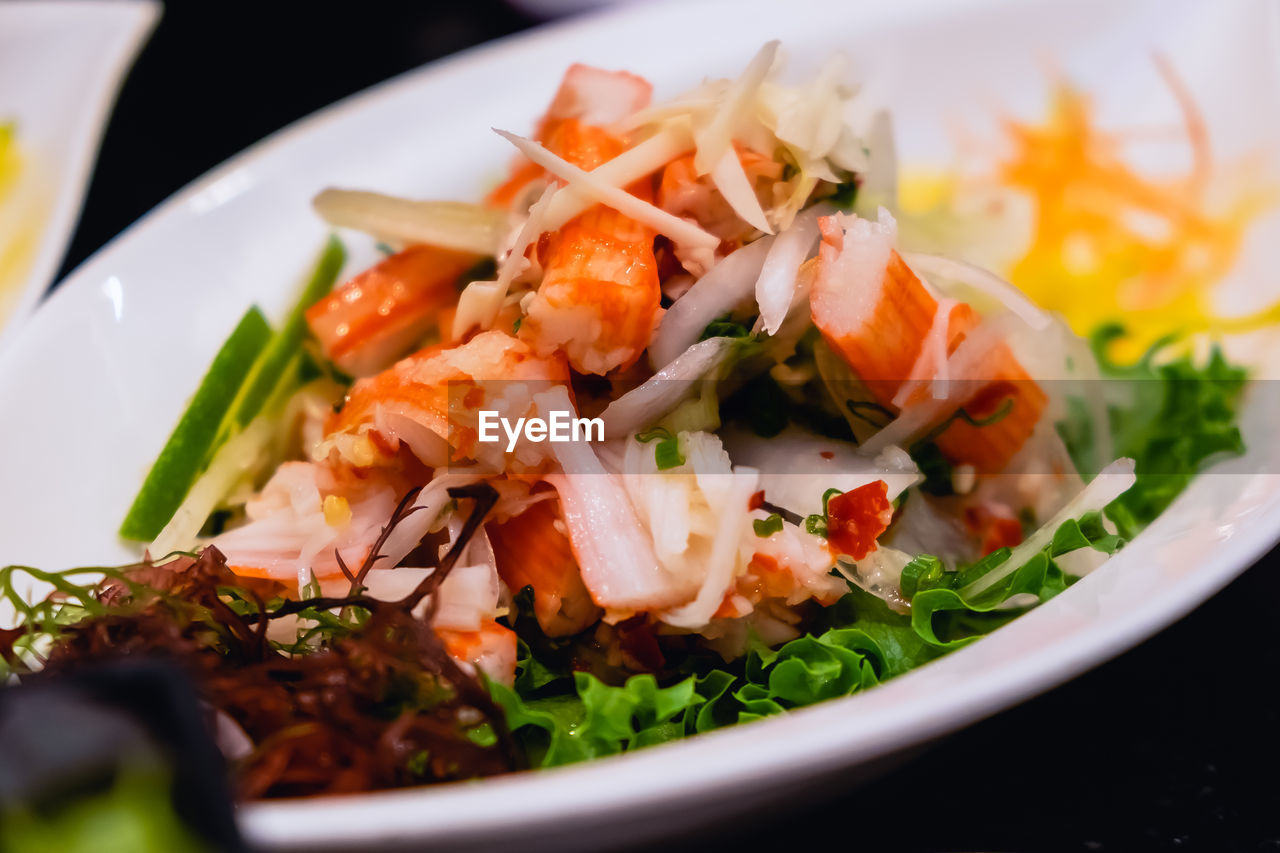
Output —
(982, 280)
(732, 182)
(682, 231)
(1111, 482)
(722, 559)
(666, 389)
(776, 286)
(637, 162)
(447, 224)
(716, 137)
(728, 286)
(481, 301)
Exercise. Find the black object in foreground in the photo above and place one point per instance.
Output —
(116, 756)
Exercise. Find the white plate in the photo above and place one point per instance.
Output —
(102, 371)
(61, 65)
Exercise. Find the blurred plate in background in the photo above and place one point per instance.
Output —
(61, 65)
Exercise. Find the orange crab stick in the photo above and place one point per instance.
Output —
(590, 95)
(374, 318)
(531, 550)
(430, 400)
(878, 316)
(600, 298)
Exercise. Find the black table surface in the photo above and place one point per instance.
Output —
(1171, 745)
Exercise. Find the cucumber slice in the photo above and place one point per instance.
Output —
(192, 441)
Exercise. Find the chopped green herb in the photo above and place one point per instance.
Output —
(667, 454)
(767, 526)
(816, 525)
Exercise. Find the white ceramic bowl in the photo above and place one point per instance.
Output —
(98, 377)
(61, 64)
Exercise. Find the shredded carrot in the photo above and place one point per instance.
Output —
(1110, 243)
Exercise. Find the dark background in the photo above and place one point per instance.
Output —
(1171, 746)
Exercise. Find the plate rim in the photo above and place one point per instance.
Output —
(132, 22)
(328, 820)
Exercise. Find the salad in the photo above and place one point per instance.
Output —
(673, 430)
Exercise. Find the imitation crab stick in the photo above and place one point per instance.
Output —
(588, 95)
(378, 315)
(430, 400)
(491, 650)
(878, 316)
(531, 549)
(600, 298)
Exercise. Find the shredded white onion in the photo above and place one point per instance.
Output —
(666, 389)
(1111, 482)
(716, 136)
(776, 286)
(631, 165)
(731, 180)
(681, 231)
(480, 302)
(984, 281)
(726, 287)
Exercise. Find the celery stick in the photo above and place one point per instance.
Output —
(276, 357)
(192, 440)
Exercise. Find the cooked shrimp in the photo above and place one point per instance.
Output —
(380, 314)
(430, 402)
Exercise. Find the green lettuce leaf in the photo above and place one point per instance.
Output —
(1176, 417)
(946, 594)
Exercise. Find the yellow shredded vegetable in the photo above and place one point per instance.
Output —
(19, 228)
(1109, 243)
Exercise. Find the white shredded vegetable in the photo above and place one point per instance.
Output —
(776, 286)
(662, 392)
(1111, 482)
(937, 267)
(724, 289)
(716, 136)
(681, 231)
(447, 224)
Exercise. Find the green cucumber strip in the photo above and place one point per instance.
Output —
(276, 357)
(192, 440)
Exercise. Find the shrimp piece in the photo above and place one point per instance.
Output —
(380, 314)
(533, 549)
(600, 298)
(878, 316)
(492, 650)
(588, 95)
(430, 402)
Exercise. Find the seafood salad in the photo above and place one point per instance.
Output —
(672, 430)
